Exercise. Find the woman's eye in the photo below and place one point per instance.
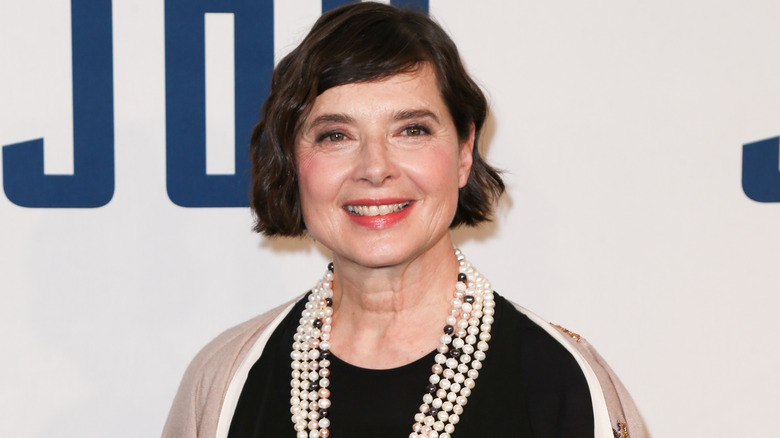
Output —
(414, 131)
(332, 137)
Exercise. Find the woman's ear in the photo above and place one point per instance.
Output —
(465, 157)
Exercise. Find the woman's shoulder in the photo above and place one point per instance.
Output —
(613, 409)
(198, 402)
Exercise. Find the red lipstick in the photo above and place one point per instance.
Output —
(380, 221)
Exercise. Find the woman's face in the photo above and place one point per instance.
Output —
(379, 167)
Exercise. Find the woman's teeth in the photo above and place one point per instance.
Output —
(376, 210)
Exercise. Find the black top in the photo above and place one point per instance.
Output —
(529, 386)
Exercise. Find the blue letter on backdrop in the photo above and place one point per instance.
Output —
(760, 173)
(185, 97)
(92, 182)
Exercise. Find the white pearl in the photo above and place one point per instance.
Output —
(464, 317)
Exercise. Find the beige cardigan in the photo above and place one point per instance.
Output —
(208, 394)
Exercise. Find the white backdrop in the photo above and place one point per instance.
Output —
(620, 125)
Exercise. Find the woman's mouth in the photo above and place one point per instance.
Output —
(376, 210)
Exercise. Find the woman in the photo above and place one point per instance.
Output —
(367, 142)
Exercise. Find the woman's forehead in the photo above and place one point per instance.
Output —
(402, 93)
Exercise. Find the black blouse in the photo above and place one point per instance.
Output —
(529, 386)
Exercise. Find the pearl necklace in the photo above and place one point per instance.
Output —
(456, 368)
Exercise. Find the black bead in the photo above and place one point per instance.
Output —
(454, 353)
(314, 386)
(324, 354)
(324, 413)
(330, 266)
(448, 329)
(433, 412)
(317, 323)
(469, 299)
(329, 302)
(462, 277)
(431, 389)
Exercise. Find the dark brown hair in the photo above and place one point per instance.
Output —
(360, 42)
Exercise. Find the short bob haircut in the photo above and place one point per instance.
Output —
(360, 42)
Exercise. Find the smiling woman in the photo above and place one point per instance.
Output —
(368, 143)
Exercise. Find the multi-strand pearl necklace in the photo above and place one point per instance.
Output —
(457, 362)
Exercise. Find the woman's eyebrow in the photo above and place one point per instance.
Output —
(415, 114)
(331, 118)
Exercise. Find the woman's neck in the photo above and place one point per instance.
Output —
(388, 317)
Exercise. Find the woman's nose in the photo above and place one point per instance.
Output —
(377, 162)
